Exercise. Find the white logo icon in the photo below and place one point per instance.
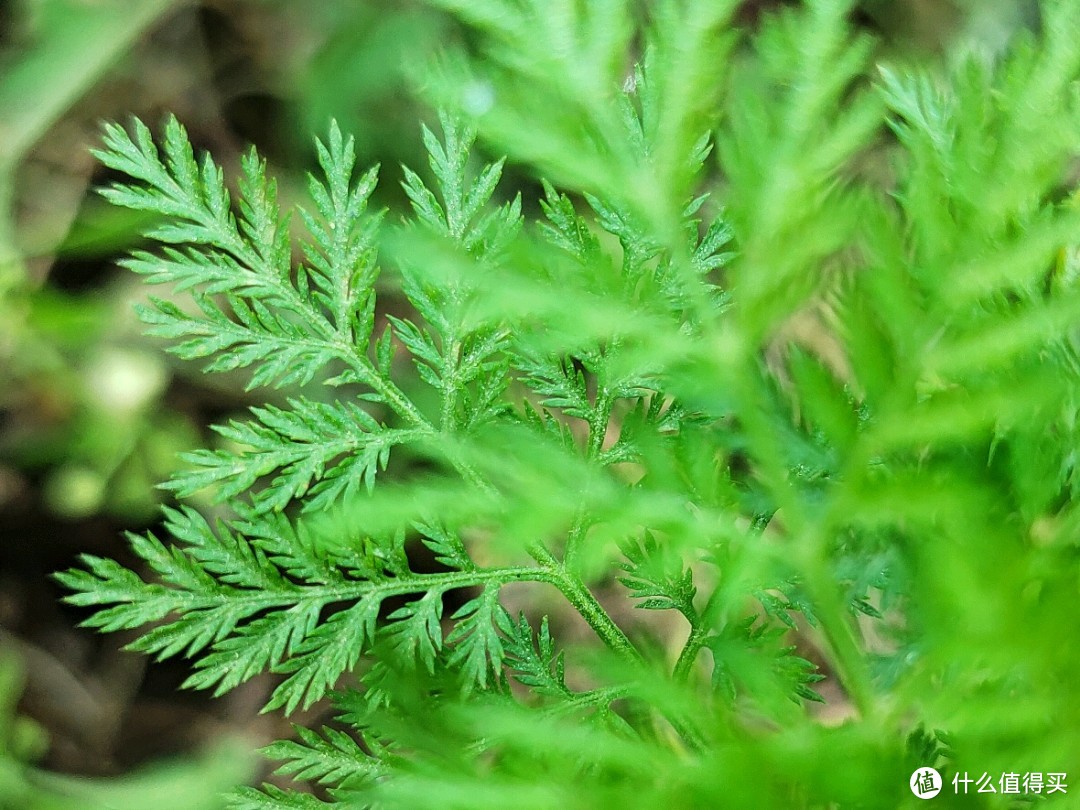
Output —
(925, 783)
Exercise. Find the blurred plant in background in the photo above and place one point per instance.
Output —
(76, 401)
(198, 784)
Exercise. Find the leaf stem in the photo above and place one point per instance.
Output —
(578, 595)
(699, 631)
(598, 424)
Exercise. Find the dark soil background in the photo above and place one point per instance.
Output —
(91, 414)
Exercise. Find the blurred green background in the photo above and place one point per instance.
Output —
(92, 415)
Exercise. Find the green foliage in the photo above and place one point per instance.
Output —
(57, 346)
(823, 436)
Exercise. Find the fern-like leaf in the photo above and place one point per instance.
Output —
(331, 757)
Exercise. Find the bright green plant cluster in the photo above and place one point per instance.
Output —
(785, 357)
